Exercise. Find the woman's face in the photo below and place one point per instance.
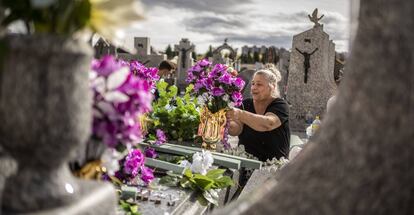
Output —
(260, 90)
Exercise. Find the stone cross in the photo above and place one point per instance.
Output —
(184, 49)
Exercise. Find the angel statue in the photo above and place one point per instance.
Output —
(314, 18)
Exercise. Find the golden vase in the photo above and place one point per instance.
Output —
(211, 128)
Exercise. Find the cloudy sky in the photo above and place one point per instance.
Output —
(243, 22)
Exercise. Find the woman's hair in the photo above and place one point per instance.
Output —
(165, 64)
(272, 75)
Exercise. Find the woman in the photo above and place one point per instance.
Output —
(263, 122)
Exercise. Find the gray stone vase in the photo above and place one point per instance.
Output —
(45, 114)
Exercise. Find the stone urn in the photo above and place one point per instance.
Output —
(45, 113)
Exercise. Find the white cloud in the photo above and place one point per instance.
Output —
(247, 22)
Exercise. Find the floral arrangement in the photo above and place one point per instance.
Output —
(216, 87)
(177, 116)
(77, 18)
(119, 99)
(200, 178)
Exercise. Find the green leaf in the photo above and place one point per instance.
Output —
(188, 173)
(223, 182)
(202, 200)
(203, 182)
(134, 208)
(186, 183)
(211, 196)
(215, 173)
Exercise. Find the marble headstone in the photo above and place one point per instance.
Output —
(185, 61)
(311, 81)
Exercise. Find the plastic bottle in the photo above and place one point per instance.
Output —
(316, 124)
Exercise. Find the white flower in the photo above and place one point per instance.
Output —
(109, 16)
(185, 163)
(116, 79)
(200, 100)
(226, 97)
(205, 96)
(110, 160)
(202, 162)
(231, 105)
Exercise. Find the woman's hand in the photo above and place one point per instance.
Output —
(234, 114)
(235, 125)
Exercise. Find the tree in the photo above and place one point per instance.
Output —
(359, 162)
(250, 60)
(265, 58)
(256, 57)
(169, 52)
(209, 53)
(194, 55)
(244, 58)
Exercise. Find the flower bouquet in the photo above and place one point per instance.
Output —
(217, 88)
(120, 98)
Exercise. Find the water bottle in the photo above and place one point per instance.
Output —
(315, 124)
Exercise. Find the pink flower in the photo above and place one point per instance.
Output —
(150, 153)
(217, 91)
(225, 78)
(161, 138)
(133, 162)
(239, 83)
(237, 98)
(147, 174)
(106, 65)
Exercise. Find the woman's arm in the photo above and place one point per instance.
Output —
(266, 122)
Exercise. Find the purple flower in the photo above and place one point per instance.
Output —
(106, 65)
(161, 138)
(204, 63)
(217, 91)
(116, 120)
(239, 83)
(147, 174)
(150, 153)
(190, 77)
(218, 70)
(133, 162)
(225, 78)
(198, 85)
(237, 98)
(208, 83)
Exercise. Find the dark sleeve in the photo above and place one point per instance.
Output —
(280, 108)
